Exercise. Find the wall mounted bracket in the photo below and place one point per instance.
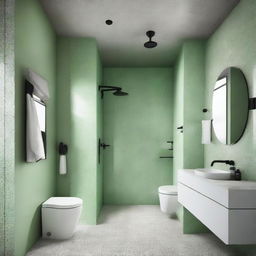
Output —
(180, 128)
(252, 103)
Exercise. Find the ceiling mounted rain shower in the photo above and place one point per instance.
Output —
(150, 43)
(117, 91)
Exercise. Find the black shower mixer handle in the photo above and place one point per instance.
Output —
(104, 145)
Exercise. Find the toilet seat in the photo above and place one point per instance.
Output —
(168, 190)
(62, 202)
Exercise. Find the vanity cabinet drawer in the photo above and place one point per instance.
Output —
(232, 226)
(210, 213)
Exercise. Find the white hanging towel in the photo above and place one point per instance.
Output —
(206, 131)
(63, 165)
(34, 140)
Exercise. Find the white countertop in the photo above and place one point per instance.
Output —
(229, 193)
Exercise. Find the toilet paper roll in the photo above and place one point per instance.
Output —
(63, 165)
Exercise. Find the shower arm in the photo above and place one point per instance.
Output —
(109, 88)
(105, 88)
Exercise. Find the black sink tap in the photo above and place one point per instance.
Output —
(229, 162)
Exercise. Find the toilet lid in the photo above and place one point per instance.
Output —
(168, 190)
(63, 202)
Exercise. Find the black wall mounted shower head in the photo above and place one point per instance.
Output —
(150, 43)
(117, 91)
(120, 93)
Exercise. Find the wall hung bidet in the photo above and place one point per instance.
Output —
(168, 197)
(117, 91)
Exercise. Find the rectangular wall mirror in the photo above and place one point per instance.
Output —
(41, 113)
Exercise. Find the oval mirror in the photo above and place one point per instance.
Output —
(230, 106)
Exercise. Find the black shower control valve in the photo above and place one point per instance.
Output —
(104, 146)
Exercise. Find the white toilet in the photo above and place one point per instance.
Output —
(168, 197)
(60, 216)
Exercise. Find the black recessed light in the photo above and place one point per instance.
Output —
(109, 22)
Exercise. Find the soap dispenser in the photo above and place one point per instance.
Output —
(238, 175)
(232, 172)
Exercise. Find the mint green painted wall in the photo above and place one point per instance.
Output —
(178, 161)
(99, 135)
(34, 182)
(233, 44)
(194, 83)
(188, 98)
(188, 104)
(63, 105)
(136, 127)
(79, 72)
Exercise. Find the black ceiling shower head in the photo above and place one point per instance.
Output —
(120, 93)
(150, 43)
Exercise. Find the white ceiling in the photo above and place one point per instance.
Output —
(121, 44)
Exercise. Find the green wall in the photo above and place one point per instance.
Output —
(194, 83)
(178, 161)
(137, 127)
(63, 105)
(79, 73)
(99, 180)
(233, 44)
(34, 182)
(188, 97)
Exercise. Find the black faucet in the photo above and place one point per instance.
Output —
(229, 162)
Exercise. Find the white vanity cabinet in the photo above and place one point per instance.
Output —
(226, 207)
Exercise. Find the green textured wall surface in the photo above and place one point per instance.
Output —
(137, 127)
(233, 44)
(63, 100)
(188, 98)
(194, 83)
(178, 161)
(79, 73)
(191, 224)
(99, 136)
(34, 182)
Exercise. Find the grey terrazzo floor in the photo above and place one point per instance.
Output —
(140, 230)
